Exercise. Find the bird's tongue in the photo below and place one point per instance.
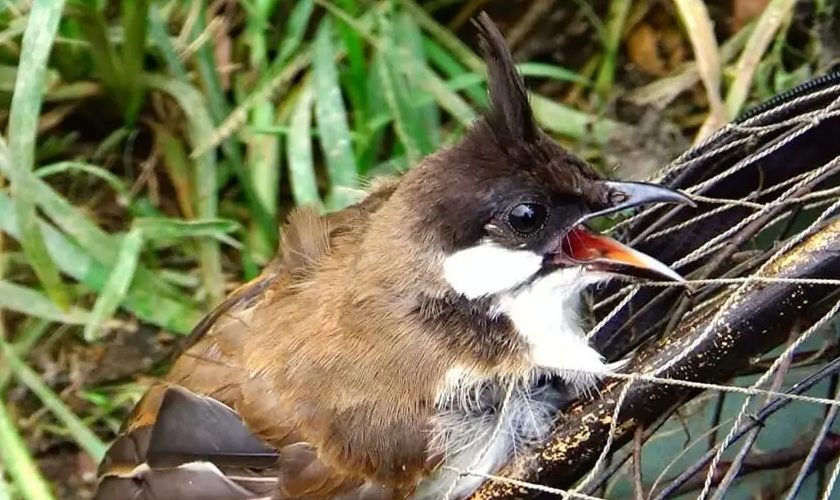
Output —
(598, 252)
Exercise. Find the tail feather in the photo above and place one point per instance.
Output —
(182, 445)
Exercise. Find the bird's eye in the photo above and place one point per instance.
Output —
(526, 218)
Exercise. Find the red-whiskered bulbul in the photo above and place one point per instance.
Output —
(427, 329)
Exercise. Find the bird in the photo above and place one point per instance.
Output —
(431, 328)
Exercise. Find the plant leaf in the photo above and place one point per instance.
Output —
(299, 152)
(295, 30)
(41, 29)
(17, 461)
(119, 279)
(145, 299)
(83, 436)
(331, 115)
(200, 126)
(30, 302)
(165, 228)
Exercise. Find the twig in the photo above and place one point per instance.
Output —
(701, 32)
(637, 464)
(721, 397)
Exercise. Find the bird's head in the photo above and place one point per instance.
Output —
(507, 205)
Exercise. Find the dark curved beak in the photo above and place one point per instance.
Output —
(625, 195)
(597, 252)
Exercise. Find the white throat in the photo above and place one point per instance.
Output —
(544, 310)
(477, 434)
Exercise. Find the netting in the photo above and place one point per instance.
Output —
(732, 388)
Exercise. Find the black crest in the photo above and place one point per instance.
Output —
(510, 116)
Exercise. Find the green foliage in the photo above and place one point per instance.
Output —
(152, 147)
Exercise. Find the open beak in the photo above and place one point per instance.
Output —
(598, 252)
(583, 247)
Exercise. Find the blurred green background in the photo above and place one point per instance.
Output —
(150, 149)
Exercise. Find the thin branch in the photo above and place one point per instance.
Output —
(637, 464)
(721, 398)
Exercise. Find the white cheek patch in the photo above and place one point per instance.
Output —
(487, 269)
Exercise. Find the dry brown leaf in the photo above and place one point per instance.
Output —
(744, 11)
(700, 29)
(643, 50)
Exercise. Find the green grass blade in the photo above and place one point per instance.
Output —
(165, 228)
(94, 29)
(160, 38)
(618, 11)
(446, 97)
(295, 30)
(216, 101)
(5, 488)
(354, 77)
(262, 151)
(145, 299)
(200, 126)
(217, 105)
(277, 80)
(18, 463)
(23, 129)
(115, 289)
(406, 95)
(98, 244)
(572, 123)
(14, 297)
(453, 69)
(113, 181)
(379, 116)
(410, 41)
(263, 159)
(178, 166)
(331, 115)
(26, 337)
(81, 434)
(552, 116)
(408, 84)
(465, 80)
(135, 15)
(204, 144)
(552, 71)
(446, 38)
(405, 122)
(299, 151)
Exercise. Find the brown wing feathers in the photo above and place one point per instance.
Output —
(202, 434)
(222, 438)
(164, 454)
(185, 439)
